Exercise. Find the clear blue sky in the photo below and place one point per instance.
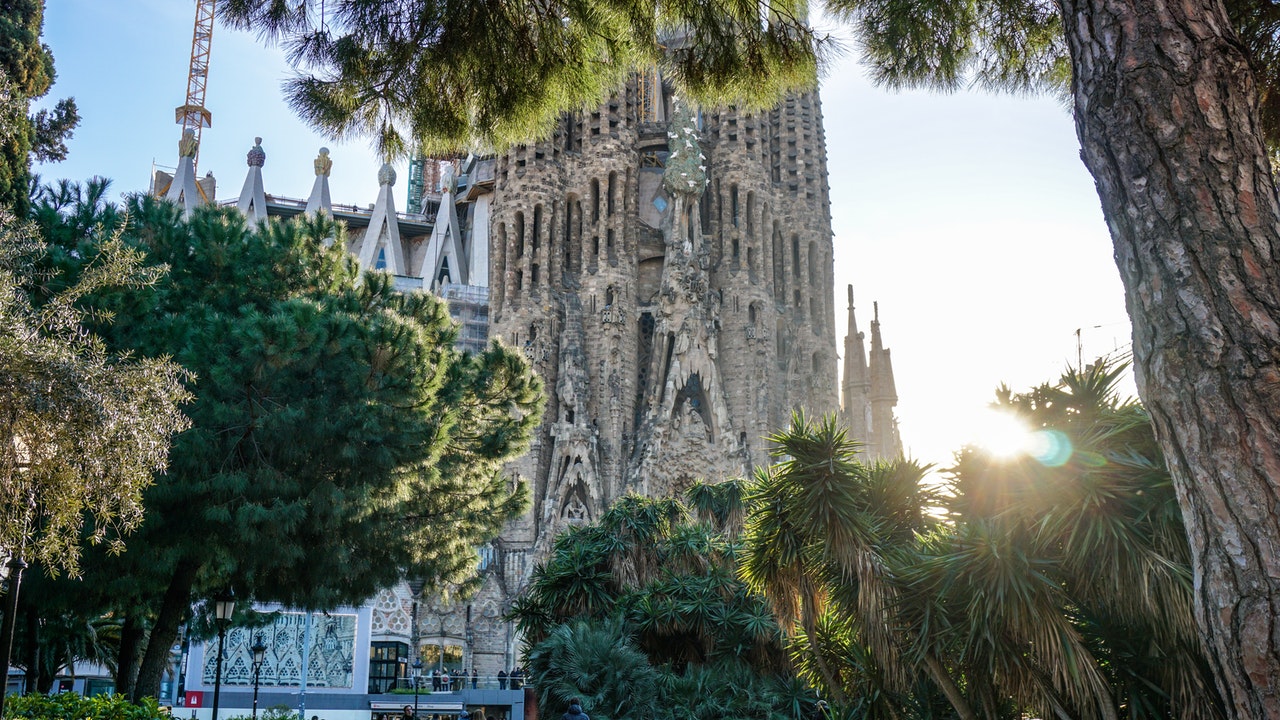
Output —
(969, 217)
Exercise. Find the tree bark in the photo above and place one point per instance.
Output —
(948, 686)
(1166, 112)
(131, 633)
(174, 607)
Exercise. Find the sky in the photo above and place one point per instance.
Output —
(968, 217)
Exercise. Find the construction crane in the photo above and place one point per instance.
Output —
(194, 115)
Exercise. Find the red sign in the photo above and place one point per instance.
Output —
(195, 698)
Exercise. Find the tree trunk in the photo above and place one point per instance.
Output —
(131, 632)
(948, 686)
(1166, 111)
(173, 609)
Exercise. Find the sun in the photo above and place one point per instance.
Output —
(1002, 434)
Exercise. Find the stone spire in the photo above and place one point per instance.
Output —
(445, 249)
(884, 396)
(253, 198)
(183, 189)
(856, 383)
(319, 200)
(383, 234)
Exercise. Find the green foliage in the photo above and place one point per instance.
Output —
(71, 706)
(84, 428)
(598, 664)
(26, 74)
(449, 76)
(339, 441)
(652, 579)
(1057, 584)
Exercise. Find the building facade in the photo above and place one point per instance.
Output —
(668, 273)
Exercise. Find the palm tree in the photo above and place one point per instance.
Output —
(822, 533)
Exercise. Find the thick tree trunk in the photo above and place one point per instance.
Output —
(131, 634)
(174, 607)
(1165, 108)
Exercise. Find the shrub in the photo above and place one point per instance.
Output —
(71, 706)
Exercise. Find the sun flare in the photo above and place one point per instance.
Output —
(1001, 433)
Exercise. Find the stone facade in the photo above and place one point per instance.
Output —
(669, 275)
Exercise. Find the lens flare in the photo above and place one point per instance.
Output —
(1001, 434)
(1051, 448)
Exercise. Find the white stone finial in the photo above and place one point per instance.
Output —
(387, 175)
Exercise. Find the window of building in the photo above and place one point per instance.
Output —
(387, 662)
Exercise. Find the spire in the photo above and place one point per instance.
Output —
(253, 198)
(884, 396)
(445, 249)
(319, 199)
(855, 358)
(382, 238)
(184, 190)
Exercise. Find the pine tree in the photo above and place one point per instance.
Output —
(26, 74)
(339, 442)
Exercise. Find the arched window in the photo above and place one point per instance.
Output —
(519, 232)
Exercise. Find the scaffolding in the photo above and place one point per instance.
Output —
(193, 115)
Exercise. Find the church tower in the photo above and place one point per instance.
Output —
(869, 393)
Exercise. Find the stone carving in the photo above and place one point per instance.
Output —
(188, 145)
(323, 164)
(257, 157)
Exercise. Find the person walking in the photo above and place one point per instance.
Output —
(575, 711)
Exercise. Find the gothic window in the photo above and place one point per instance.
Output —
(519, 280)
(813, 262)
(795, 256)
(733, 204)
(613, 181)
(751, 213)
(796, 297)
(533, 274)
(595, 200)
(381, 262)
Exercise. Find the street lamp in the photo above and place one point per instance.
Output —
(224, 605)
(15, 565)
(259, 654)
(417, 675)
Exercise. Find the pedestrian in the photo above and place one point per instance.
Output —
(446, 682)
(435, 680)
(475, 677)
(575, 711)
(502, 679)
(407, 713)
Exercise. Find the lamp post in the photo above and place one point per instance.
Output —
(224, 605)
(16, 565)
(259, 654)
(417, 676)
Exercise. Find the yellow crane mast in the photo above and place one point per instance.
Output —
(194, 115)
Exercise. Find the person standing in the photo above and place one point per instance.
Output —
(502, 679)
(435, 680)
(475, 677)
(575, 711)
(407, 713)
(446, 682)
